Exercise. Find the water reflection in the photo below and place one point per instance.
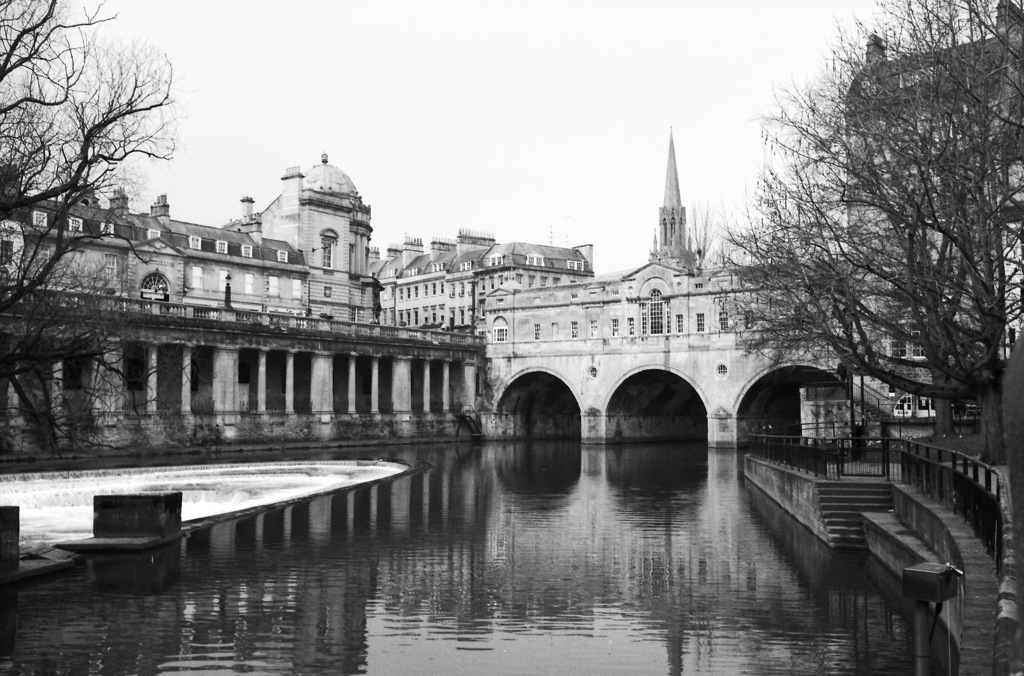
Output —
(514, 558)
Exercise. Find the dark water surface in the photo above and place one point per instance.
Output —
(505, 559)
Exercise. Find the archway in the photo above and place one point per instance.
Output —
(774, 399)
(656, 405)
(537, 405)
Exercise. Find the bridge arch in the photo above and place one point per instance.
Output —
(651, 403)
(772, 397)
(538, 404)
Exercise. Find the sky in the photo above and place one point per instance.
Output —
(536, 121)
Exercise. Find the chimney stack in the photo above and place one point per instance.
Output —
(876, 50)
(119, 202)
(247, 203)
(160, 207)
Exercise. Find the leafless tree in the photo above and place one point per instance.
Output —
(74, 111)
(886, 228)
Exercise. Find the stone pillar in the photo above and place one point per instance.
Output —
(114, 387)
(375, 386)
(289, 382)
(722, 430)
(186, 379)
(401, 384)
(225, 380)
(445, 384)
(56, 386)
(469, 384)
(352, 382)
(151, 366)
(426, 386)
(320, 387)
(261, 384)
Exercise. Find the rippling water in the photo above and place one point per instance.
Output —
(506, 559)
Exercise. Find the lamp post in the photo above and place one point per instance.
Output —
(227, 291)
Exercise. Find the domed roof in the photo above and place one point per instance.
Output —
(328, 178)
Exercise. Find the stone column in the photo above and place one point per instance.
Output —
(426, 386)
(401, 384)
(469, 384)
(114, 387)
(261, 384)
(375, 386)
(225, 380)
(320, 390)
(289, 382)
(151, 391)
(352, 382)
(186, 379)
(56, 386)
(445, 385)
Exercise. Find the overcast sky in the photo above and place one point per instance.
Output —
(544, 122)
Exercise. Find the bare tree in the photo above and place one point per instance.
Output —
(886, 230)
(74, 111)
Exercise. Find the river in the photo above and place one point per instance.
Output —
(507, 558)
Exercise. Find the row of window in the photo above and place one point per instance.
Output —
(500, 329)
(273, 283)
(431, 315)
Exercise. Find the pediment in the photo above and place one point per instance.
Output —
(159, 246)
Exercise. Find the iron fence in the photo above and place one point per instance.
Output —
(968, 487)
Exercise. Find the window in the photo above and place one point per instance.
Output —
(246, 251)
(554, 330)
(272, 286)
(327, 291)
(327, 244)
(492, 283)
(723, 320)
(555, 281)
(467, 265)
(593, 328)
(39, 219)
(107, 228)
(575, 265)
(437, 267)
(495, 260)
(462, 316)
(296, 288)
(250, 283)
(500, 334)
(152, 234)
(615, 326)
(536, 331)
(529, 281)
(223, 280)
(700, 322)
(110, 264)
(543, 281)
(282, 256)
(440, 287)
(534, 259)
(74, 224)
(197, 277)
(195, 242)
(631, 325)
(433, 288)
(574, 329)
(462, 289)
(615, 292)
(222, 246)
(698, 286)
(416, 290)
(652, 314)
(679, 323)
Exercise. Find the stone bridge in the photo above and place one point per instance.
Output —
(647, 355)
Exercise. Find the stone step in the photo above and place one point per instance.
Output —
(842, 506)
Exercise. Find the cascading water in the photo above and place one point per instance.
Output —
(57, 506)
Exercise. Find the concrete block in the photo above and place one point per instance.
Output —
(138, 515)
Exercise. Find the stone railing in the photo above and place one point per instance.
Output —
(298, 322)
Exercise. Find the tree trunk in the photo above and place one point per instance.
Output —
(943, 417)
(991, 401)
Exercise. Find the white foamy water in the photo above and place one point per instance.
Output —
(57, 506)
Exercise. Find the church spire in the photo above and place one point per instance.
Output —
(672, 198)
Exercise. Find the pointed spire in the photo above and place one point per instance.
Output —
(672, 198)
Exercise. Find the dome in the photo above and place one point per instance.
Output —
(328, 178)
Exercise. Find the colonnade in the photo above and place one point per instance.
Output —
(152, 378)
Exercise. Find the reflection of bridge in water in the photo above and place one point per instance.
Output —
(509, 550)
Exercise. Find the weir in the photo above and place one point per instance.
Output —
(58, 506)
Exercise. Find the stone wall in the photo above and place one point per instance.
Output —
(796, 493)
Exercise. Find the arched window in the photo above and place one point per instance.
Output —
(155, 286)
(500, 330)
(652, 314)
(328, 244)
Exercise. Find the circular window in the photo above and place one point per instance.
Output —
(722, 370)
(593, 371)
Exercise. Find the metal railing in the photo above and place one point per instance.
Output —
(961, 483)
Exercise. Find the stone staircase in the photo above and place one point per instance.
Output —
(843, 502)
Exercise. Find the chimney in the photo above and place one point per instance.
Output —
(440, 245)
(247, 203)
(374, 254)
(119, 202)
(876, 50)
(292, 180)
(587, 250)
(470, 240)
(412, 248)
(160, 207)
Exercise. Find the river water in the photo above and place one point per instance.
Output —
(508, 558)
